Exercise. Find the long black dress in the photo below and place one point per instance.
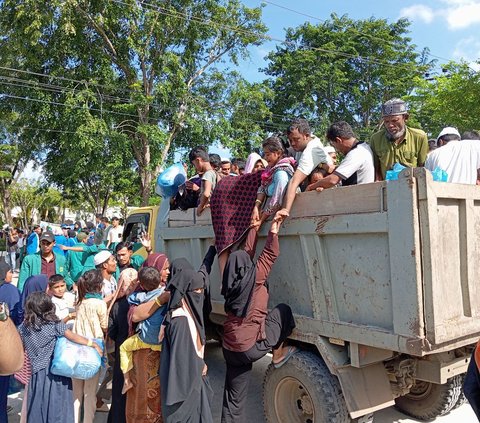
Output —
(118, 332)
(186, 395)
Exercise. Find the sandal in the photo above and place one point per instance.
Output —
(291, 351)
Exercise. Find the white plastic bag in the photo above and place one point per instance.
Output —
(75, 360)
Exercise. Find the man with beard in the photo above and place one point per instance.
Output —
(396, 142)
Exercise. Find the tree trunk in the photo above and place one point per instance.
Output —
(7, 208)
(145, 183)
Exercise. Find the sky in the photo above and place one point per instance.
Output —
(449, 28)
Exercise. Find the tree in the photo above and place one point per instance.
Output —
(14, 156)
(449, 99)
(142, 68)
(343, 69)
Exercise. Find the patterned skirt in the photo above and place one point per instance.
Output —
(143, 400)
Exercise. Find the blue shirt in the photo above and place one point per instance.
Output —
(32, 243)
(11, 295)
(149, 329)
(60, 240)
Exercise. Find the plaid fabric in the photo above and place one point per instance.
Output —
(231, 206)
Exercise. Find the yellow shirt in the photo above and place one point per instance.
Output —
(411, 151)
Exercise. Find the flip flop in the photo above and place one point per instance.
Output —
(291, 351)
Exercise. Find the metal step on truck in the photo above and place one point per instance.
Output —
(383, 282)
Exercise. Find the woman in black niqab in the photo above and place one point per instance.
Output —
(186, 393)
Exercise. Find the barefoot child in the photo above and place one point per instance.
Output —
(63, 300)
(148, 330)
(49, 397)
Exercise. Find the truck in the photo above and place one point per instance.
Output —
(381, 279)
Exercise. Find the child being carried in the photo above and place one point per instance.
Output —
(148, 330)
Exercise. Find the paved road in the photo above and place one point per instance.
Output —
(216, 368)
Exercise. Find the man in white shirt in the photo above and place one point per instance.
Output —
(106, 262)
(460, 159)
(356, 168)
(310, 154)
(115, 233)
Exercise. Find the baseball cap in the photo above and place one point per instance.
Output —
(449, 130)
(395, 106)
(329, 149)
(101, 257)
(48, 236)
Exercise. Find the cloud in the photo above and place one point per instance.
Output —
(418, 11)
(468, 49)
(458, 14)
(462, 14)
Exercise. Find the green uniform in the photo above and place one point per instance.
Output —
(32, 265)
(76, 260)
(92, 250)
(411, 151)
(135, 261)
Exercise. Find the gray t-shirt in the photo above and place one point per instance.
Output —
(210, 176)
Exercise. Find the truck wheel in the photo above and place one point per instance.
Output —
(462, 399)
(427, 400)
(303, 391)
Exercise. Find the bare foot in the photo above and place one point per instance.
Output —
(127, 384)
(279, 353)
(282, 352)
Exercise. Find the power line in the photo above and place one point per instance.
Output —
(31, 84)
(177, 14)
(56, 103)
(373, 37)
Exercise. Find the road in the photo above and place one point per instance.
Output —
(216, 368)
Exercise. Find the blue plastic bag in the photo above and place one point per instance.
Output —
(439, 175)
(392, 175)
(170, 179)
(75, 360)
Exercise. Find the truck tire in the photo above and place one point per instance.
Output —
(304, 391)
(462, 399)
(427, 400)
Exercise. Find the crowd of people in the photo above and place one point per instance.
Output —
(86, 284)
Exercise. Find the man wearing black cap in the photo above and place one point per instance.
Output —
(396, 142)
(45, 262)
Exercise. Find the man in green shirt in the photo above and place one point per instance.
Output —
(45, 262)
(126, 259)
(396, 142)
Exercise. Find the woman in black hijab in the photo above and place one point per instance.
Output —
(250, 331)
(186, 393)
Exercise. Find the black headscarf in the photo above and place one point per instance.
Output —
(35, 283)
(184, 280)
(238, 282)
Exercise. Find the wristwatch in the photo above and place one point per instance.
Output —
(4, 312)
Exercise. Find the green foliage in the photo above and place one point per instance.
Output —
(343, 69)
(147, 75)
(450, 99)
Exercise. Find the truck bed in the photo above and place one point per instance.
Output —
(390, 265)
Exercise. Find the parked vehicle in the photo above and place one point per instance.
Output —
(382, 281)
